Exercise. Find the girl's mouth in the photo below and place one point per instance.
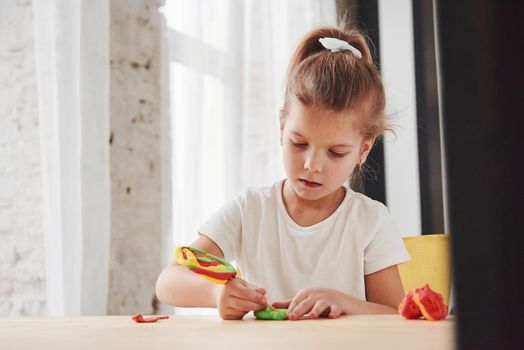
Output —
(309, 183)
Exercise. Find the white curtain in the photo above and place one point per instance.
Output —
(228, 67)
(72, 63)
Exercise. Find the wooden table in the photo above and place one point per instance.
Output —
(210, 332)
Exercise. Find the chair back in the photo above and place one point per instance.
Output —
(430, 263)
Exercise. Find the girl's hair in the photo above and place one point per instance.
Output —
(338, 81)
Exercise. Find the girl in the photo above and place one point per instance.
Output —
(308, 243)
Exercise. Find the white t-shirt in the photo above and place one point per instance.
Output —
(274, 252)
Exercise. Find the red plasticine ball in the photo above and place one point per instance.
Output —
(407, 308)
(423, 302)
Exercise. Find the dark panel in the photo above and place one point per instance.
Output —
(428, 128)
(367, 20)
(481, 67)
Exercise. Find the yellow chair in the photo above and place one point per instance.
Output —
(430, 263)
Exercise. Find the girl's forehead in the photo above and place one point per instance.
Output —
(311, 122)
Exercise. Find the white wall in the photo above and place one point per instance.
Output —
(22, 273)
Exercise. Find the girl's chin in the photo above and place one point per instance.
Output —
(308, 193)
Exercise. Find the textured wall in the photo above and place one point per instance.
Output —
(135, 161)
(22, 275)
(135, 156)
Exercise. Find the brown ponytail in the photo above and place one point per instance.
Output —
(338, 81)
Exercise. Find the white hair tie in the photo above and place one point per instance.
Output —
(336, 45)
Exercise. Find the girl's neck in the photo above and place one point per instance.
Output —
(309, 212)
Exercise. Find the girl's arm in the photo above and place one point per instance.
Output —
(384, 287)
(177, 286)
(383, 291)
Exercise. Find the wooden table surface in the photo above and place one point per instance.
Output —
(210, 332)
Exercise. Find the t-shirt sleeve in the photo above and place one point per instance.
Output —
(386, 248)
(224, 228)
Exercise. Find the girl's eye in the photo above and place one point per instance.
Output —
(336, 154)
(299, 144)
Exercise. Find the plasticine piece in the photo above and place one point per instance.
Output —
(138, 318)
(423, 302)
(408, 309)
(431, 303)
(271, 314)
(205, 264)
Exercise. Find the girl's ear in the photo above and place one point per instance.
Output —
(367, 145)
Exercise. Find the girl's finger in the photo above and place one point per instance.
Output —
(233, 314)
(261, 291)
(241, 282)
(249, 295)
(335, 311)
(240, 289)
(252, 286)
(301, 309)
(245, 305)
(319, 307)
(299, 298)
(282, 304)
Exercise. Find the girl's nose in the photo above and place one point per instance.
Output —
(313, 162)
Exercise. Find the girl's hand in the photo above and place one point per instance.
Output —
(237, 297)
(313, 303)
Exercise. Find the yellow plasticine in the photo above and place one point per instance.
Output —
(191, 260)
(217, 268)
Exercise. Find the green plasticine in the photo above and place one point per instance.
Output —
(229, 266)
(201, 258)
(271, 314)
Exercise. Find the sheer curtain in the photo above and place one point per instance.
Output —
(228, 61)
(72, 64)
